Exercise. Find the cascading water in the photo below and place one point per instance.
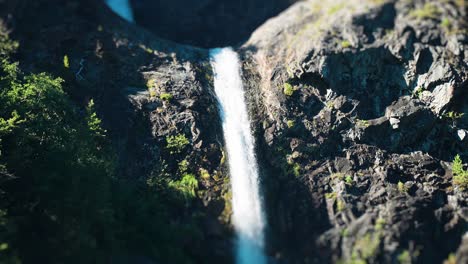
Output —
(122, 8)
(248, 216)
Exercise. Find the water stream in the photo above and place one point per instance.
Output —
(122, 8)
(248, 215)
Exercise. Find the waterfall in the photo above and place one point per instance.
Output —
(248, 216)
(122, 8)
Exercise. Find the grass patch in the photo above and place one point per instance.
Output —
(428, 11)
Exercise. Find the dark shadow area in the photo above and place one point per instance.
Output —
(206, 23)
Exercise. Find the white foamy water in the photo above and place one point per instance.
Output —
(122, 8)
(248, 216)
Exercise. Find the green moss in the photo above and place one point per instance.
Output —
(363, 123)
(204, 174)
(366, 247)
(66, 62)
(401, 187)
(290, 123)
(404, 257)
(334, 9)
(288, 89)
(331, 195)
(451, 259)
(296, 170)
(428, 11)
(340, 205)
(349, 180)
(166, 97)
(453, 115)
(187, 186)
(418, 92)
(380, 224)
(345, 44)
(460, 176)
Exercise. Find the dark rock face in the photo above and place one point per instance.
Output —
(350, 101)
(205, 23)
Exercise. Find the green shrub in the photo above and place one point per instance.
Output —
(428, 11)
(404, 257)
(296, 170)
(288, 89)
(66, 62)
(401, 187)
(166, 97)
(177, 143)
(345, 44)
(187, 186)
(460, 176)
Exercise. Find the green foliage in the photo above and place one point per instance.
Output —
(66, 62)
(428, 11)
(404, 257)
(166, 97)
(7, 46)
(93, 121)
(453, 115)
(296, 169)
(334, 9)
(177, 143)
(418, 92)
(380, 224)
(366, 247)
(349, 180)
(204, 174)
(60, 200)
(288, 89)
(460, 175)
(401, 187)
(363, 123)
(183, 166)
(187, 186)
(451, 259)
(345, 44)
(290, 123)
(340, 205)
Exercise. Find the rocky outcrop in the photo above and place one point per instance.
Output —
(147, 90)
(358, 111)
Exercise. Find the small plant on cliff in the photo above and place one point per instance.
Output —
(288, 89)
(66, 62)
(290, 123)
(428, 11)
(460, 175)
(177, 143)
(187, 186)
(401, 187)
(166, 97)
(345, 44)
(404, 257)
(296, 170)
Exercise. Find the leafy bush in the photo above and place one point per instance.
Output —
(187, 186)
(166, 97)
(66, 62)
(176, 143)
(288, 89)
(345, 44)
(460, 176)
